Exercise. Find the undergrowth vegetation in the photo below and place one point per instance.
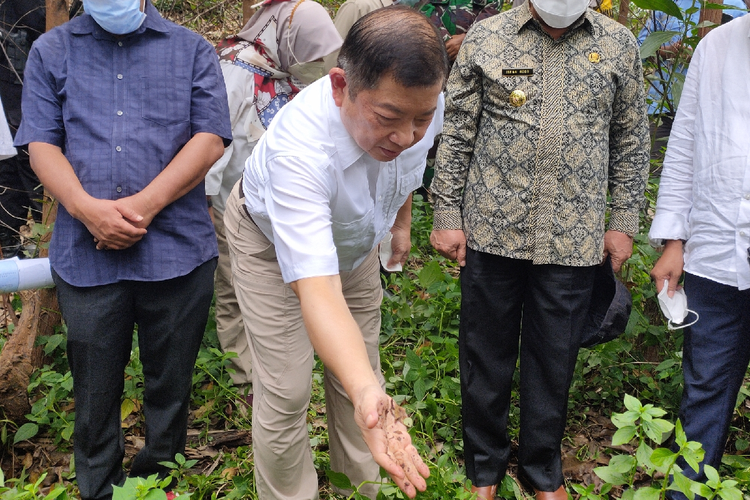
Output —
(623, 439)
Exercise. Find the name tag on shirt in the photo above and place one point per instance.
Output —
(518, 72)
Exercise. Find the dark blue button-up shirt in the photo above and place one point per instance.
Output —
(120, 108)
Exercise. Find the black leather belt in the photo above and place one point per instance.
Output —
(242, 200)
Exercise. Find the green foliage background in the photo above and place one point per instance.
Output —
(419, 341)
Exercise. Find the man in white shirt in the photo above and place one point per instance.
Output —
(703, 221)
(331, 177)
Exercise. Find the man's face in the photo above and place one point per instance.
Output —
(388, 119)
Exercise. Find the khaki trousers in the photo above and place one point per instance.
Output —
(229, 327)
(282, 358)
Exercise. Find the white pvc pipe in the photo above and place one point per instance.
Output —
(24, 274)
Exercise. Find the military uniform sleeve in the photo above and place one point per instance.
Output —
(463, 107)
(628, 145)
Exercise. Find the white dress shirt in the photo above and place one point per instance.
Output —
(704, 196)
(322, 200)
(6, 140)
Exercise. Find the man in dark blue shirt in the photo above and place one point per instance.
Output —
(124, 113)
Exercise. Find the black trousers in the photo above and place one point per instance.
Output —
(545, 306)
(171, 316)
(19, 190)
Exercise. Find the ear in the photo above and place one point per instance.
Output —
(338, 85)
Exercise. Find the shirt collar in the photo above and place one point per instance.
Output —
(347, 148)
(522, 17)
(86, 25)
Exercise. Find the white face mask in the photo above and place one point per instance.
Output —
(307, 72)
(560, 13)
(675, 308)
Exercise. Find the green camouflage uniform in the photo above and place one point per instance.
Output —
(455, 17)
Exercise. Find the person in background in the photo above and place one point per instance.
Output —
(261, 76)
(545, 127)
(21, 22)
(329, 181)
(349, 12)
(453, 18)
(662, 99)
(702, 221)
(124, 113)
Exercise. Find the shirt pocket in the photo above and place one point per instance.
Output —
(410, 181)
(354, 238)
(166, 105)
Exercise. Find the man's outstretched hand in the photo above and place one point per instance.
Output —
(381, 421)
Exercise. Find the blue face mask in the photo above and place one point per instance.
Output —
(119, 17)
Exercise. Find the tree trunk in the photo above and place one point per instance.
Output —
(713, 15)
(622, 17)
(40, 311)
(19, 358)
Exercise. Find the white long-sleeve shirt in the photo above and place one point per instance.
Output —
(320, 198)
(704, 196)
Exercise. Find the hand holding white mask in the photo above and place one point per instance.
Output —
(675, 307)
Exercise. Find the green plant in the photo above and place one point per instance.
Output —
(139, 488)
(21, 490)
(643, 424)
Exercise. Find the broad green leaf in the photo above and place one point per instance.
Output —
(658, 429)
(610, 476)
(683, 484)
(662, 456)
(623, 464)
(654, 41)
(339, 480)
(677, 84)
(711, 473)
(643, 455)
(658, 412)
(430, 273)
(420, 388)
(126, 408)
(623, 435)
(156, 495)
(413, 359)
(648, 493)
(26, 431)
(632, 403)
(666, 6)
(730, 493)
(701, 489)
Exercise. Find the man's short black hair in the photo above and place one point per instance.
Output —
(396, 41)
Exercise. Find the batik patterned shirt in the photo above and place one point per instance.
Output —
(537, 133)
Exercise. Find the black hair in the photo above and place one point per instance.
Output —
(396, 41)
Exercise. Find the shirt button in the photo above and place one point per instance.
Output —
(747, 196)
(118, 149)
(119, 77)
(119, 113)
(119, 189)
(119, 44)
(742, 233)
